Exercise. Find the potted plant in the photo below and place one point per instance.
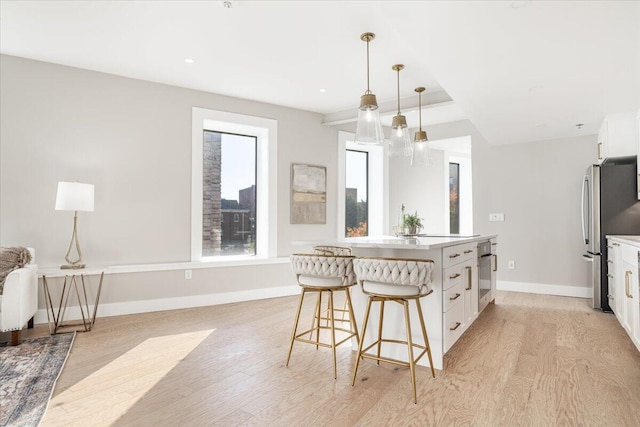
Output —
(412, 224)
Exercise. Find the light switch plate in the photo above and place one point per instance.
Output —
(496, 217)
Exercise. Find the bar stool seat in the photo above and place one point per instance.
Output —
(329, 274)
(398, 280)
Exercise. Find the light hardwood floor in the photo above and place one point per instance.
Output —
(528, 360)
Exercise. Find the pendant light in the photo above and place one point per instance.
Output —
(400, 142)
(421, 155)
(368, 129)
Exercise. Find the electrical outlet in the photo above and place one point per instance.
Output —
(188, 274)
(512, 264)
(496, 217)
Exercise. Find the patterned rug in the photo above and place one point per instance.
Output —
(28, 374)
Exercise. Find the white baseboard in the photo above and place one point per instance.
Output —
(545, 289)
(146, 306)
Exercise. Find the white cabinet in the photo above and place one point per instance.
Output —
(459, 290)
(615, 279)
(627, 286)
(617, 136)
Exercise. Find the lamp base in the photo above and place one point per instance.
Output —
(72, 266)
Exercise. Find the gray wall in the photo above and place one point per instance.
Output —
(537, 186)
(132, 139)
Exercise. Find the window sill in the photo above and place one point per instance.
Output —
(208, 263)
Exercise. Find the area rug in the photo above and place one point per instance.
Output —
(28, 374)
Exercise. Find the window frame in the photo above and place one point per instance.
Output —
(265, 130)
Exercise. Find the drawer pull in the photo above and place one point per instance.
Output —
(454, 297)
(609, 246)
(610, 261)
(455, 327)
(454, 255)
(469, 284)
(616, 244)
(610, 276)
(455, 276)
(610, 296)
(468, 252)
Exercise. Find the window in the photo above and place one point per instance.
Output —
(454, 198)
(362, 176)
(229, 173)
(356, 193)
(233, 184)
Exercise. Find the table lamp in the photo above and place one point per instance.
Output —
(74, 196)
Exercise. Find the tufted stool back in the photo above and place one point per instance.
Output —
(319, 270)
(394, 277)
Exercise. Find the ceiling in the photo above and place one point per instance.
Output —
(519, 70)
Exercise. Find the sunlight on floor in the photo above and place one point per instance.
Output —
(115, 388)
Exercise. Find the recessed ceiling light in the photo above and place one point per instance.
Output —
(227, 4)
(189, 60)
(323, 90)
(579, 125)
(519, 4)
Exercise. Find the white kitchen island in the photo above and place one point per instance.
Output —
(448, 311)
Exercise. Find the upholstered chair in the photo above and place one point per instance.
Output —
(318, 273)
(19, 299)
(399, 281)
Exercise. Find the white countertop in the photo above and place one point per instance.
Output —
(391, 242)
(630, 240)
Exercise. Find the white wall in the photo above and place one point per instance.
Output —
(132, 139)
(537, 187)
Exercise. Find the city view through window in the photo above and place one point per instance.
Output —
(356, 193)
(229, 194)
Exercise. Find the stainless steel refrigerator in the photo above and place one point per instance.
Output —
(609, 206)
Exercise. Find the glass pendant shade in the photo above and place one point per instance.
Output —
(421, 155)
(400, 142)
(369, 128)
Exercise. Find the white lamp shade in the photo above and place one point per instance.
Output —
(74, 196)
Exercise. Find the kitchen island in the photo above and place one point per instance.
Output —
(452, 306)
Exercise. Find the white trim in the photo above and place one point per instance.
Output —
(545, 289)
(146, 306)
(142, 268)
(266, 131)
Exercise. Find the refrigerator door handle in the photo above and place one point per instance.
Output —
(585, 209)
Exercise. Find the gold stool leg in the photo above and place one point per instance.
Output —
(412, 366)
(352, 317)
(380, 329)
(364, 331)
(295, 326)
(318, 318)
(333, 336)
(426, 338)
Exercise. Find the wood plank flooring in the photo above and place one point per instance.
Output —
(528, 360)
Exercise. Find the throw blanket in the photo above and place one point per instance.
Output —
(12, 259)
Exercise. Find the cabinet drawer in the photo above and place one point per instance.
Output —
(453, 276)
(452, 296)
(453, 323)
(453, 255)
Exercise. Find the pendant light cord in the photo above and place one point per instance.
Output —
(398, 91)
(368, 91)
(420, 109)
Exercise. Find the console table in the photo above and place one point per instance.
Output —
(74, 280)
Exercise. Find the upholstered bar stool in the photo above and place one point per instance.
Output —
(334, 250)
(400, 281)
(323, 274)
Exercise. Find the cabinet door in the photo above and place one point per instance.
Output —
(470, 291)
(638, 145)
